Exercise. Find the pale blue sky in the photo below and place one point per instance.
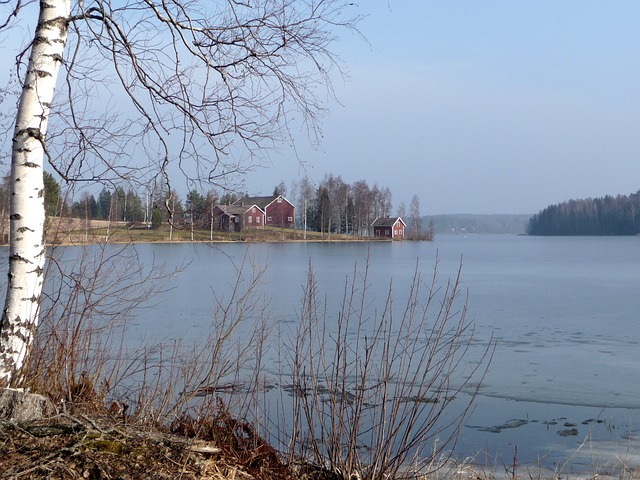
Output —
(484, 106)
(481, 106)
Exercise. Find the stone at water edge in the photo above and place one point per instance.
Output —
(20, 406)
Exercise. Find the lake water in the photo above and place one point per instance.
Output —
(564, 313)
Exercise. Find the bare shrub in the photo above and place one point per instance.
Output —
(377, 392)
(79, 353)
(380, 391)
(235, 437)
(227, 362)
(85, 355)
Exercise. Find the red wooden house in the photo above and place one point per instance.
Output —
(388, 227)
(278, 211)
(236, 218)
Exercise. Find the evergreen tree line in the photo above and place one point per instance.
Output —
(152, 207)
(126, 205)
(608, 215)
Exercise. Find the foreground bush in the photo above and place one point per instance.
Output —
(378, 388)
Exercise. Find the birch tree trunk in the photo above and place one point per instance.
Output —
(27, 249)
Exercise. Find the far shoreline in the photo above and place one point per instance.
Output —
(77, 232)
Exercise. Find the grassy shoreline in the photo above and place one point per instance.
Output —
(70, 231)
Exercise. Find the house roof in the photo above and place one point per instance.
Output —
(237, 209)
(387, 221)
(260, 202)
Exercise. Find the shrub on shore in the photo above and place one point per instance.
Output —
(371, 394)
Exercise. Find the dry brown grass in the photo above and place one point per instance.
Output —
(77, 231)
(78, 446)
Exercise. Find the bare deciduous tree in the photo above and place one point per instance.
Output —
(414, 213)
(402, 210)
(149, 88)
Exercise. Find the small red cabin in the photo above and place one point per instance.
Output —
(389, 227)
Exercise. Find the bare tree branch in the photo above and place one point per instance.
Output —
(159, 88)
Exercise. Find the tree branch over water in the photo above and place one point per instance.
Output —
(150, 90)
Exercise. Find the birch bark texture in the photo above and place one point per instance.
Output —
(27, 249)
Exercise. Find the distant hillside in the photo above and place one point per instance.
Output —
(469, 223)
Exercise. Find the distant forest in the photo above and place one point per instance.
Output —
(609, 215)
(475, 223)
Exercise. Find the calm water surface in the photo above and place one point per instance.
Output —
(563, 311)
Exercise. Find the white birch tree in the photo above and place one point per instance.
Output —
(27, 213)
(416, 219)
(150, 89)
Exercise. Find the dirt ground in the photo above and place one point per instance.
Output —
(79, 447)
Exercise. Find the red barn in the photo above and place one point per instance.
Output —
(388, 227)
